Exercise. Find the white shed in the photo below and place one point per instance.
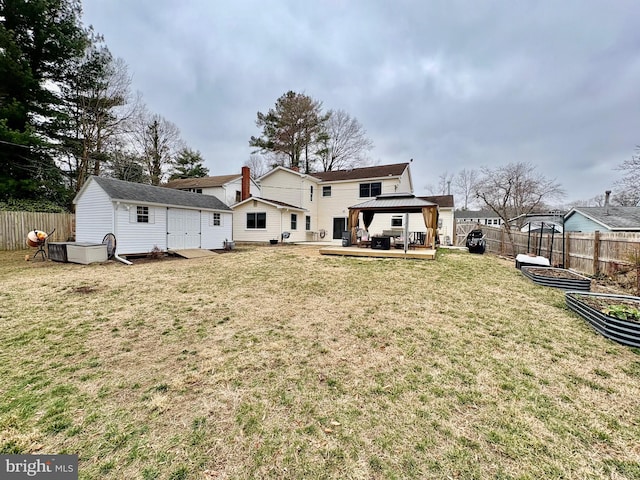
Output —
(144, 217)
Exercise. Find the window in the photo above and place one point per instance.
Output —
(294, 221)
(370, 189)
(195, 190)
(238, 196)
(216, 220)
(396, 221)
(257, 220)
(326, 191)
(142, 214)
(307, 222)
(311, 193)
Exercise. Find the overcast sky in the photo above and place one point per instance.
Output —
(451, 84)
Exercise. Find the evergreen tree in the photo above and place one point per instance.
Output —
(188, 164)
(38, 41)
(293, 128)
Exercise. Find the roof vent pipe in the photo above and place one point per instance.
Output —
(606, 202)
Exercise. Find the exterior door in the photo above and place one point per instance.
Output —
(183, 229)
(339, 226)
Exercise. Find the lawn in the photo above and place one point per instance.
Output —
(276, 362)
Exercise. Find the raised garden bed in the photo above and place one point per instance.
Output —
(615, 316)
(557, 278)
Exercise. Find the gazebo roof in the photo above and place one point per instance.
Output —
(394, 202)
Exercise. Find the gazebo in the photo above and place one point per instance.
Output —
(396, 203)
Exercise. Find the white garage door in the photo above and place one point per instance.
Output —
(183, 229)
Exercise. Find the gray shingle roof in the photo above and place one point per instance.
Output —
(138, 192)
(202, 182)
(475, 214)
(614, 218)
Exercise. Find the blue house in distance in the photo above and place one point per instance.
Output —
(605, 219)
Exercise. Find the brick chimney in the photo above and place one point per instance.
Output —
(607, 194)
(246, 184)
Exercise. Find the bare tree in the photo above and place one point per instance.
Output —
(257, 165)
(344, 143)
(513, 190)
(443, 187)
(158, 141)
(629, 194)
(465, 185)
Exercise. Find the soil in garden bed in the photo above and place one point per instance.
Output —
(555, 273)
(604, 303)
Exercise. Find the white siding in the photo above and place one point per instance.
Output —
(243, 234)
(278, 221)
(214, 236)
(448, 226)
(405, 183)
(133, 237)
(94, 214)
(283, 186)
(343, 196)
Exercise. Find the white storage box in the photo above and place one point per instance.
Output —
(86, 253)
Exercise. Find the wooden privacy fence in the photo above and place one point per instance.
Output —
(588, 253)
(14, 227)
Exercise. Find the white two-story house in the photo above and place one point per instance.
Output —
(316, 205)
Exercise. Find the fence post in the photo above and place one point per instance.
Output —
(566, 251)
(596, 252)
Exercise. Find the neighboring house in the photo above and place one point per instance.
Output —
(480, 217)
(315, 205)
(605, 219)
(545, 222)
(228, 188)
(145, 217)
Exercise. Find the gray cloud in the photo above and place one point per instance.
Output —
(451, 84)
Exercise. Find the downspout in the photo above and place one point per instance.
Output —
(120, 259)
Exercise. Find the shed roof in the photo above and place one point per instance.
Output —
(138, 192)
(611, 217)
(202, 182)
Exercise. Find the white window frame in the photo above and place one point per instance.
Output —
(215, 220)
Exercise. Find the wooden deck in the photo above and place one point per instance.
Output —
(418, 253)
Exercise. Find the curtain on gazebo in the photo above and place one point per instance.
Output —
(430, 215)
(353, 224)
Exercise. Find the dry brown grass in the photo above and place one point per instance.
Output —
(280, 363)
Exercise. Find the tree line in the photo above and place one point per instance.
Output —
(67, 110)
